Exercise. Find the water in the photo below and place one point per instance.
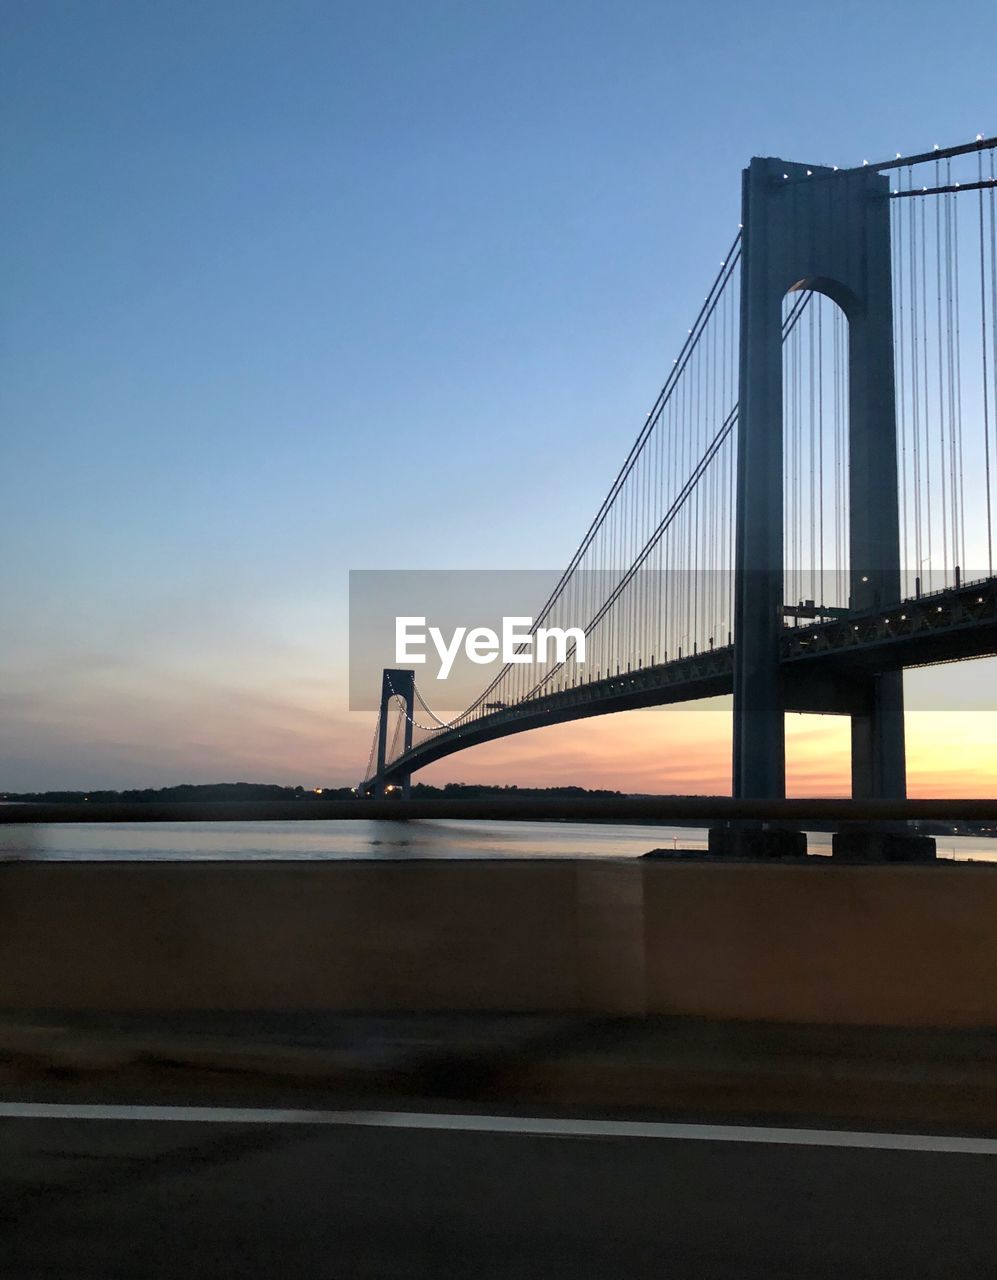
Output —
(219, 841)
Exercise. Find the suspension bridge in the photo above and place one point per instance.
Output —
(808, 508)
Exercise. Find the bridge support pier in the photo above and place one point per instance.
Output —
(756, 840)
(860, 842)
(401, 684)
(878, 754)
(813, 228)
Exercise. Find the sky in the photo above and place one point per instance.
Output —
(290, 289)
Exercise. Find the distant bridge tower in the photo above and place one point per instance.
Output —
(400, 684)
(814, 228)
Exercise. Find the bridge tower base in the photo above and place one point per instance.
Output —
(859, 842)
(756, 840)
(814, 228)
(400, 684)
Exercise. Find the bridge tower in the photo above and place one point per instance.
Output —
(809, 227)
(401, 684)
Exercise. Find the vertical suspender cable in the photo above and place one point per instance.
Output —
(960, 488)
(926, 509)
(939, 328)
(901, 374)
(820, 442)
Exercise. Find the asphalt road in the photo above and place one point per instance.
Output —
(110, 1198)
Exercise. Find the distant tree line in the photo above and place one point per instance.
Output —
(474, 791)
(235, 791)
(188, 791)
(221, 791)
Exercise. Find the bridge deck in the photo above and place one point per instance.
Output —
(819, 663)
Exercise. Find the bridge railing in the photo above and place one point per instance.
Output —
(701, 810)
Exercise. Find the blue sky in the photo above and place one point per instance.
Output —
(290, 289)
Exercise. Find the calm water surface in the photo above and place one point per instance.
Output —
(211, 841)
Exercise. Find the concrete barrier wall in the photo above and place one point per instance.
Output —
(894, 945)
(901, 945)
(347, 935)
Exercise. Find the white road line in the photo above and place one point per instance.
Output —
(529, 1126)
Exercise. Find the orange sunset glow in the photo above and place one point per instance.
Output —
(949, 754)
